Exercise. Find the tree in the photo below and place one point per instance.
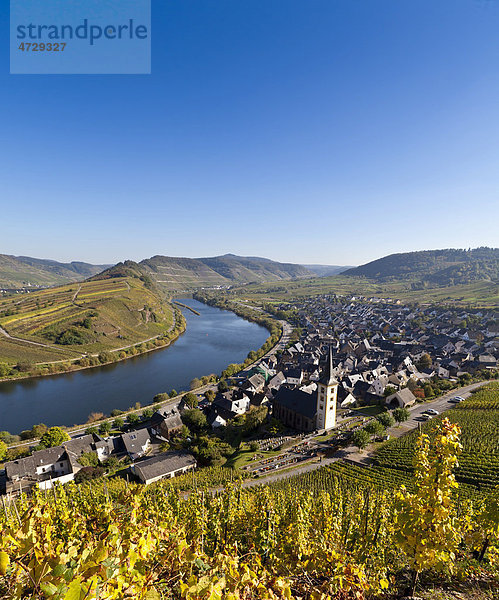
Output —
(389, 390)
(24, 366)
(401, 414)
(105, 357)
(195, 419)
(424, 362)
(429, 392)
(254, 446)
(374, 428)
(147, 413)
(118, 423)
(425, 521)
(111, 464)
(254, 419)
(8, 438)
(222, 386)
(385, 419)
(92, 430)
(209, 395)
(89, 459)
(173, 393)
(195, 383)
(3, 450)
(5, 369)
(133, 418)
(55, 436)
(191, 400)
(105, 428)
(360, 438)
(88, 473)
(163, 397)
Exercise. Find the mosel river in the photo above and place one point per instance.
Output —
(212, 340)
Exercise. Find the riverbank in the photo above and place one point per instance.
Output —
(272, 325)
(107, 357)
(210, 342)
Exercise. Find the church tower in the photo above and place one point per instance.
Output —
(327, 391)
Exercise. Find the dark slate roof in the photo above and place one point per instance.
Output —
(162, 464)
(297, 401)
(135, 440)
(81, 444)
(26, 467)
(171, 418)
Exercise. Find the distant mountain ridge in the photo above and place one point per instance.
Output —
(327, 270)
(25, 271)
(175, 273)
(436, 267)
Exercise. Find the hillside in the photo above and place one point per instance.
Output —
(64, 323)
(172, 273)
(437, 267)
(23, 271)
(327, 270)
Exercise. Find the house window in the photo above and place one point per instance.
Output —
(321, 406)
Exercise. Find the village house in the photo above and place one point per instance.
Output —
(163, 466)
(46, 467)
(165, 422)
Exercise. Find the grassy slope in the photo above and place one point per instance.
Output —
(17, 272)
(122, 312)
(480, 293)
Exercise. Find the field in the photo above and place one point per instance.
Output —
(483, 293)
(75, 319)
(478, 418)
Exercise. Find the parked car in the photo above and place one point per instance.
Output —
(456, 399)
(426, 417)
(432, 411)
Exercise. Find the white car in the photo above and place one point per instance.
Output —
(432, 411)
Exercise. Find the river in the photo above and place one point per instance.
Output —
(212, 340)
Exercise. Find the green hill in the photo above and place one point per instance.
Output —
(172, 273)
(437, 267)
(23, 271)
(94, 317)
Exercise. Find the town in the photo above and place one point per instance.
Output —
(347, 358)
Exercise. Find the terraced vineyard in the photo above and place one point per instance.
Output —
(478, 418)
(71, 320)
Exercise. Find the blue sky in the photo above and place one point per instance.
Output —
(326, 131)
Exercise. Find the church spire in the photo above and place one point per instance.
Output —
(328, 377)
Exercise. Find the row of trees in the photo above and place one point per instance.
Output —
(377, 427)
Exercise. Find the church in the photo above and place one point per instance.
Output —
(309, 411)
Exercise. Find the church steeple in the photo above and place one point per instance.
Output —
(327, 391)
(327, 377)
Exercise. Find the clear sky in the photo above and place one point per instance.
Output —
(325, 131)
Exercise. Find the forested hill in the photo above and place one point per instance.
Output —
(172, 273)
(437, 267)
(24, 271)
